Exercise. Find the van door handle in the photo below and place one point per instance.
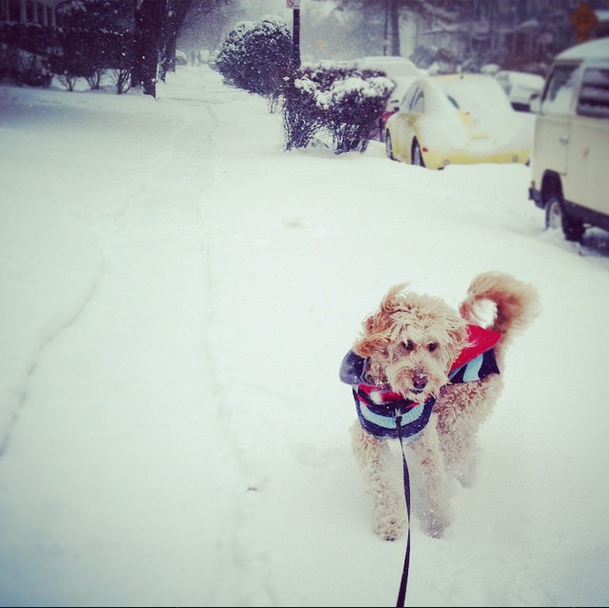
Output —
(564, 140)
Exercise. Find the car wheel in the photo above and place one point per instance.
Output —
(389, 146)
(556, 218)
(416, 155)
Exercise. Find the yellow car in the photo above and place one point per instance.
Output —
(457, 119)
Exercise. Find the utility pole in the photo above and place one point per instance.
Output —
(295, 6)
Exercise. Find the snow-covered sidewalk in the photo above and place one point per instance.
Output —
(177, 293)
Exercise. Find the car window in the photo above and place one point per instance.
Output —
(594, 95)
(405, 103)
(417, 102)
(559, 90)
(453, 101)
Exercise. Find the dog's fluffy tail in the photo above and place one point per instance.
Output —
(516, 302)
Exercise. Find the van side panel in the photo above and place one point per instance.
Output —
(550, 145)
(587, 180)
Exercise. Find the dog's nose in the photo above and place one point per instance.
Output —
(419, 381)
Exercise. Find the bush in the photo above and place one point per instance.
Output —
(30, 54)
(256, 56)
(303, 118)
(341, 103)
(23, 50)
(97, 37)
(88, 54)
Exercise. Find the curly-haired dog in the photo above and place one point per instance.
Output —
(431, 372)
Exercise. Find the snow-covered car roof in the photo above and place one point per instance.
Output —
(594, 49)
(524, 79)
(393, 66)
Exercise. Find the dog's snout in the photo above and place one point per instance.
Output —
(419, 381)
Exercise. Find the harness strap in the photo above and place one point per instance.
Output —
(404, 581)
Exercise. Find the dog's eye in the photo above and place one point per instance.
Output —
(409, 345)
(432, 346)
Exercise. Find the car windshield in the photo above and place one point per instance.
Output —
(477, 96)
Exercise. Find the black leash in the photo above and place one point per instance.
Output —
(404, 582)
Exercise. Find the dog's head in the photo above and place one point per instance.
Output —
(411, 343)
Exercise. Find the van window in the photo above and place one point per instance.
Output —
(594, 95)
(559, 90)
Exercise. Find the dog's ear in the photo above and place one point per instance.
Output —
(458, 334)
(376, 327)
(390, 303)
(376, 337)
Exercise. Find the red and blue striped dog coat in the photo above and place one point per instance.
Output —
(380, 410)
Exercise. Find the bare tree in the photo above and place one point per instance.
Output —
(390, 12)
(177, 12)
(150, 17)
(182, 14)
(158, 24)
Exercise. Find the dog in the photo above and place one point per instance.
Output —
(430, 374)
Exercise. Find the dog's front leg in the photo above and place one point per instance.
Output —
(431, 497)
(371, 454)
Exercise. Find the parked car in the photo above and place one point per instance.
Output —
(402, 84)
(402, 71)
(520, 87)
(456, 119)
(569, 162)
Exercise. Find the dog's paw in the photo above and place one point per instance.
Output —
(466, 473)
(467, 480)
(388, 522)
(434, 524)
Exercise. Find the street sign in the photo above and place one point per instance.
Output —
(583, 19)
(293, 3)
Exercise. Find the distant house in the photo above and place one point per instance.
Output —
(41, 12)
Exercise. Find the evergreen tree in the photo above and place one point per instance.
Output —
(256, 56)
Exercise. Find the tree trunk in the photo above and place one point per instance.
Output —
(150, 16)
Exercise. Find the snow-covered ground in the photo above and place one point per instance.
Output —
(176, 296)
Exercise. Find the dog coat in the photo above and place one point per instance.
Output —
(380, 410)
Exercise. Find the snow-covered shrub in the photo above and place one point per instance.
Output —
(256, 56)
(354, 106)
(343, 103)
(303, 113)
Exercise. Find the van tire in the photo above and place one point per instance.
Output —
(556, 217)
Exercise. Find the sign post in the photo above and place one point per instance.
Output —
(295, 6)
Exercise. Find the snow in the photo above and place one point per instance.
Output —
(595, 49)
(177, 295)
(394, 67)
(351, 87)
(470, 112)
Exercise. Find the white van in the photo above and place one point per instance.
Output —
(570, 154)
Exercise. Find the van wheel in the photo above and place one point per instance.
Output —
(557, 218)
(389, 146)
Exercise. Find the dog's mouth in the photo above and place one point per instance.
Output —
(418, 394)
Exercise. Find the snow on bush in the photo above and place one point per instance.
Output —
(342, 103)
